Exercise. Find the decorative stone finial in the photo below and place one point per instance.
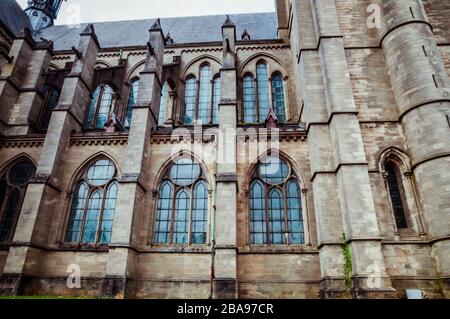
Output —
(113, 124)
(156, 25)
(228, 22)
(89, 29)
(168, 39)
(271, 119)
(245, 36)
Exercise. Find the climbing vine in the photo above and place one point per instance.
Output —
(348, 265)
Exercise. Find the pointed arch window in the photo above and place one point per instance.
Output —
(276, 215)
(182, 205)
(51, 99)
(93, 205)
(396, 194)
(250, 114)
(13, 184)
(132, 101)
(202, 97)
(163, 104)
(278, 97)
(101, 107)
(257, 95)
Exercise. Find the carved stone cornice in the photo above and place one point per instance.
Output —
(22, 141)
(176, 139)
(263, 47)
(98, 139)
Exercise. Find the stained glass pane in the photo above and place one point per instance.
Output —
(163, 214)
(163, 104)
(21, 173)
(199, 214)
(104, 107)
(276, 217)
(190, 100)
(51, 103)
(258, 227)
(92, 218)
(101, 172)
(93, 108)
(396, 197)
(132, 101)
(185, 171)
(77, 213)
(108, 214)
(181, 219)
(263, 91)
(216, 100)
(9, 215)
(278, 97)
(249, 100)
(294, 213)
(273, 170)
(204, 103)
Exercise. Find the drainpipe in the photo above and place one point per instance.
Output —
(213, 227)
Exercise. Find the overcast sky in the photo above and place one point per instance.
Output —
(113, 10)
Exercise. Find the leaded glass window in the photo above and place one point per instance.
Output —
(278, 97)
(163, 104)
(250, 115)
(395, 193)
(100, 107)
(276, 215)
(93, 205)
(182, 205)
(132, 101)
(263, 91)
(13, 184)
(51, 99)
(204, 107)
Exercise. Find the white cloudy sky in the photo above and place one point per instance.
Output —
(112, 10)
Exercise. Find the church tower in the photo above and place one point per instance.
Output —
(42, 13)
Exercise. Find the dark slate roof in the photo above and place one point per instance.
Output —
(13, 16)
(183, 30)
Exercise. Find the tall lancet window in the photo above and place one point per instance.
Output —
(93, 205)
(250, 114)
(132, 102)
(100, 107)
(51, 98)
(13, 184)
(276, 215)
(163, 104)
(263, 91)
(396, 194)
(182, 205)
(278, 97)
(202, 97)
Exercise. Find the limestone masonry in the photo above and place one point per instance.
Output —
(227, 156)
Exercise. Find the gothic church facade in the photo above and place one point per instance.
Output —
(227, 156)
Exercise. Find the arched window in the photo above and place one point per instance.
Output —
(396, 193)
(278, 97)
(256, 96)
(190, 100)
(276, 215)
(100, 107)
(216, 100)
(93, 205)
(163, 104)
(132, 101)
(250, 115)
(13, 184)
(205, 107)
(263, 91)
(51, 99)
(182, 206)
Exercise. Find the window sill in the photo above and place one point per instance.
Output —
(161, 248)
(84, 247)
(278, 249)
